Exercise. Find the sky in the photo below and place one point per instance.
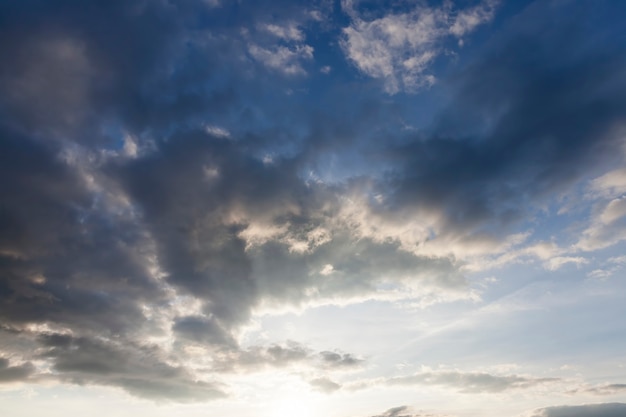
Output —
(326, 208)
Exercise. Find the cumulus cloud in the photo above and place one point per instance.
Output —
(288, 31)
(136, 241)
(399, 48)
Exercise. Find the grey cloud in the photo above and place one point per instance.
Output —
(66, 74)
(207, 227)
(325, 385)
(140, 370)
(608, 389)
(201, 330)
(471, 382)
(64, 258)
(260, 357)
(219, 224)
(395, 412)
(339, 360)
(591, 410)
(282, 355)
(405, 411)
(14, 373)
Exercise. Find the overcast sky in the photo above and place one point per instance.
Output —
(281, 208)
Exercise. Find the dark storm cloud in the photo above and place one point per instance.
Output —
(140, 370)
(591, 410)
(261, 357)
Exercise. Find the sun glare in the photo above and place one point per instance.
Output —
(293, 405)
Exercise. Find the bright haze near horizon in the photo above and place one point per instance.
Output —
(321, 208)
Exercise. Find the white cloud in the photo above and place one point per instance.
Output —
(614, 210)
(600, 273)
(217, 131)
(289, 32)
(615, 264)
(399, 48)
(557, 262)
(611, 184)
(467, 20)
(620, 260)
(607, 222)
(282, 58)
(607, 226)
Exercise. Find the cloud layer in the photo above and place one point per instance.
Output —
(166, 183)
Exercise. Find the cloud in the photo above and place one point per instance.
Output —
(141, 370)
(255, 358)
(136, 241)
(591, 410)
(201, 330)
(608, 226)
(557, 262)
(399, 48)
(395, 412)
(14, 373)
(65, 257)
(324, 385)
(472, 382)
(607, 389)
(288, 32)
(405, 411)
(497, 155)
(287, 60)
(339, 360)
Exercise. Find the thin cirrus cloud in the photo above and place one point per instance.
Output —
(213, 196)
